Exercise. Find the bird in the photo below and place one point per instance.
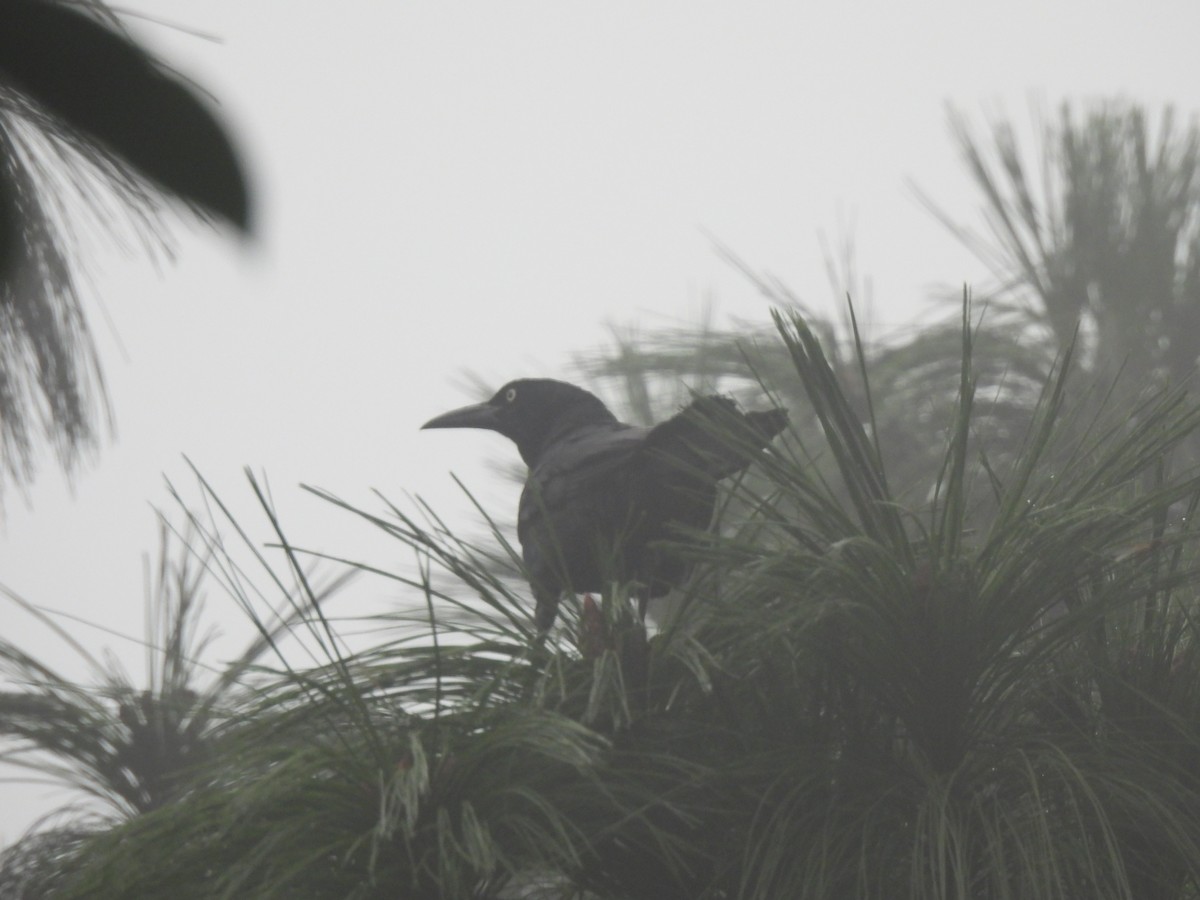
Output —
(606, 501)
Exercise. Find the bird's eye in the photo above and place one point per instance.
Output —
(510, 395)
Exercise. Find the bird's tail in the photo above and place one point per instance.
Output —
(711, 435)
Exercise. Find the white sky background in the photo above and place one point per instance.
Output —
(483, 186)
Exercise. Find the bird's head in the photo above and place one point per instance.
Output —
(532, 412)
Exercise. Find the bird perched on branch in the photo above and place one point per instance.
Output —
(604, 499)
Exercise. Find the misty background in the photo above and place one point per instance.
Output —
(490, 189)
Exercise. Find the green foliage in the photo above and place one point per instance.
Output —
(127, 750)
(1099, 233)
(857, 697)
(910, 401)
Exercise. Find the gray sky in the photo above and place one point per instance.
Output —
(486, 186)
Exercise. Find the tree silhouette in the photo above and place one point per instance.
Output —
(1099, 232)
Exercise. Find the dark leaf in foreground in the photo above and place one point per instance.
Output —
(110, 90)
(94, 134)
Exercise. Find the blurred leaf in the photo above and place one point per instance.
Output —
(94, 134)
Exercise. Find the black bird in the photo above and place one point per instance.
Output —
(604, 498)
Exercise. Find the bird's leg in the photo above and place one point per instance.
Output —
(593, 637)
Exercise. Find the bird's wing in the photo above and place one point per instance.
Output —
(581, 482)
(711, 438)
(576, 472)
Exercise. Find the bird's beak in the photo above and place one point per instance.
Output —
(479, 415)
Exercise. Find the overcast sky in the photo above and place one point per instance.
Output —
(487, 186)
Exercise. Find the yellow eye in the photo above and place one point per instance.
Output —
(510, 395)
